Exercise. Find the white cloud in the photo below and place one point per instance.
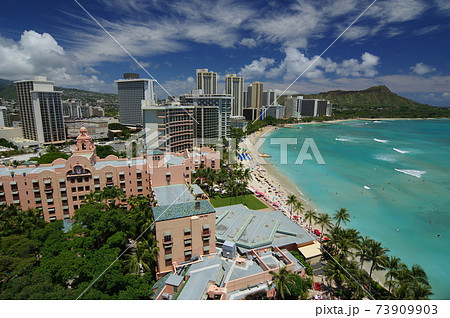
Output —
(356, 32)
(176, 87)
(354, 68)
(427, 29)
(40, 54)
(443, 5)
(421, 68)
(257, 68)
(296, 63)
(394, 11)
(248, 42)
(164, 27)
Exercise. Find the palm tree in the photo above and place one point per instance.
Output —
(392, 266)
(324, 220)
(247, 175)
(298, 207)
(411, 284)
(310, 216)
(335, 272)
(291, 200)
(111, 194)
(341, 216)
(377, 255)
(363, 250)
(348, 240)
(283, 281)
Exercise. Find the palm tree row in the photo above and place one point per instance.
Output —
(347, 252)
(233, 179)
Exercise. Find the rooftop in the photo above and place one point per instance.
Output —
(201, 274)
(181, 210)
(251, 229)
(6, 170)
(174, 280)
(177, 193)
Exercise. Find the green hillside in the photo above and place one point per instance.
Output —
(377, 96)
(376, 102)
(8, 92)
(4, 84)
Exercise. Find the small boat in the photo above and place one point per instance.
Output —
(265, 155)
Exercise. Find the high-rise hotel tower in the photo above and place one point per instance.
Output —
(41, 110)
(234, 86)
(132, 90)
(206, 81)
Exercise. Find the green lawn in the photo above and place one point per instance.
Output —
(248, 200)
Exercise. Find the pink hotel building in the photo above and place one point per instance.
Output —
(58, 189)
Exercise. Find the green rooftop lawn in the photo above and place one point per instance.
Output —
(248, 200)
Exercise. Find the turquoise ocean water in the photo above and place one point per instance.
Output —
(390, 175)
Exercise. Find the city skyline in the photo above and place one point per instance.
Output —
(272, 43)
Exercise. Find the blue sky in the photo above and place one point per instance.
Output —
(403, 44)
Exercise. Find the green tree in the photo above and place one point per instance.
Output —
(411, 284)
(51, 156)
(335, 272)
(341, 215)
(324, 220)
(284, 282)
(18, 254)
(291, 201)
(376, 254)
(392, 265)
(310, 216)
(105, 151)
(363, 249)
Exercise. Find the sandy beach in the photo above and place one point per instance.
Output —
(266, 177)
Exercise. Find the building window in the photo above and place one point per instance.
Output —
(74, 198)
(87, 188)
(75, 207)
(74, 189)
(80, 188)
(187, 243)
(79, 180)
(187, 231)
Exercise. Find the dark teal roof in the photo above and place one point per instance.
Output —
(181, 210)
(159, 285)
(154, 152)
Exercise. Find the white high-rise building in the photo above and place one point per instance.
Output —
(41, 110)
(234, 86)
(206, 81)
(3, 117)
(256, 95)
(132, 90)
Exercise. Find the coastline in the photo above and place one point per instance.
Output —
(353, 119)
(287, 186)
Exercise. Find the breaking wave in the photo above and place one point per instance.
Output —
(414, 173)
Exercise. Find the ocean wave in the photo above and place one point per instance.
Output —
(414, 173)
(381, 140)
(366, 187)
(377, 121)
(341, 139)
(400, 151)
(386, 158)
